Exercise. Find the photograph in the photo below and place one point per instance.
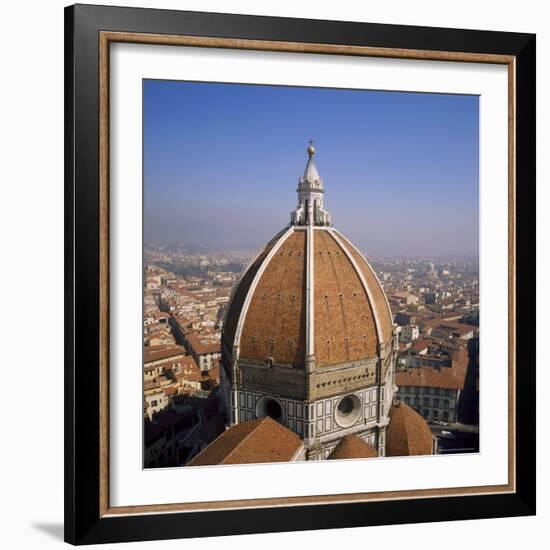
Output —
(310, 274)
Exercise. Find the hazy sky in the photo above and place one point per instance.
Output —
(222, 161)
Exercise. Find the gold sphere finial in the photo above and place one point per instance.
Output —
(311, 149)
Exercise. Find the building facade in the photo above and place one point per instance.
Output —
(409, 333)
(435, 404)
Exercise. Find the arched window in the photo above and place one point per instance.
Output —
(269, 406)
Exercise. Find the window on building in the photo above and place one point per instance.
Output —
(446, 404)
(435, 414)
(426, 401)
(407, 400)
(268, 406)
(446, 415)
(436, 402)
(425, 413)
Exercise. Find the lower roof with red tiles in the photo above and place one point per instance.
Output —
(407, 433)
(264, 440)
(251, 442)
(352, 446)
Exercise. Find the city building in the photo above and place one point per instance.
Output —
(433, 393)
(205, 351)
(403, 318)
(159, 359)
(408, 334)
(404, 298)
(430, 298)
(432, 383)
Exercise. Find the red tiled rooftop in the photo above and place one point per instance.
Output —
(407, 433)
(352, 446)
(428, 377)
(156, 353)
(251, 442)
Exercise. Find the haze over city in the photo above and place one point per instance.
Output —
(222, 161)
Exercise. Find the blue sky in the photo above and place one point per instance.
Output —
(222, 161)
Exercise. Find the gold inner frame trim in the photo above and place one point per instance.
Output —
(105, 39)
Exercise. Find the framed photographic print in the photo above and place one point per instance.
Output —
(299, 274)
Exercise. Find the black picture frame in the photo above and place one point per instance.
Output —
(83, 521)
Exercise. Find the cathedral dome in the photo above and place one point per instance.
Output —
(309, 295)
(308, 292)
(308, 339)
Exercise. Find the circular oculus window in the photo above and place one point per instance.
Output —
(348, 411)
(269, 406)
